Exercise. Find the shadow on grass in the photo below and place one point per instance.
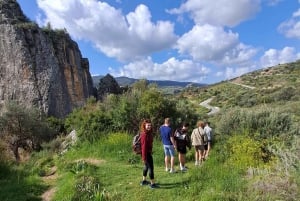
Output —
(169, 185)
(17, 185)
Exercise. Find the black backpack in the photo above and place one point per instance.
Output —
(136, 144)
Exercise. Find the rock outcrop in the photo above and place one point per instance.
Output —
(107, 85)
(40, 67)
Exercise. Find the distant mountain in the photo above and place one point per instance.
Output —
(126, 81)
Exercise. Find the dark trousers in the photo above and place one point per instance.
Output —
(149, 166)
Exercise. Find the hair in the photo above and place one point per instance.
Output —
(167, 120)
(185, 124)
(200, 124)
(143, 125)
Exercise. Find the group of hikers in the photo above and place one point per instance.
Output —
(178, 141)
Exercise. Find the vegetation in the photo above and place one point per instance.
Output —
(255, 154)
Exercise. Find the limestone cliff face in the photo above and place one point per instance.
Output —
(40, 67)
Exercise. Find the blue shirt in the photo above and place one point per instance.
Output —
(166, 134)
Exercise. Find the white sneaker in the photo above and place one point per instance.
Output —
(167, 169)
(183, 169)
(196, 163)
(172, 170)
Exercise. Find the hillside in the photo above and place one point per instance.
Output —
(126, 81)
(273, 85)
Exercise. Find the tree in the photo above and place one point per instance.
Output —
(23, 128)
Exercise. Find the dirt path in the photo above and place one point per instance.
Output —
(212, 109)
(237, 82)
(52, 177)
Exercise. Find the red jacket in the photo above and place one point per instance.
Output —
(146, 144)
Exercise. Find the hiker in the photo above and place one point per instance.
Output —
(182, 141)
(168, 145)
(208, 132)
(197, 142)
(146, 148)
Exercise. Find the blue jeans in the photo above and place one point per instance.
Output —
(169, 150)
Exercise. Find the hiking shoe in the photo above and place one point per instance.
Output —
(153, 186)
(144, 183)
(172, 171)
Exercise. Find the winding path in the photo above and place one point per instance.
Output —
(212, 109)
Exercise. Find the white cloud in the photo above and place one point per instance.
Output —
(274, 57)
(219, 12)
(125, 37)
(291, 27)
(273, 2)
(213, 44)
(236, 72)
(172, 69)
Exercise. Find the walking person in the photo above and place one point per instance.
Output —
(182, 141)
(146, 149)
(208, 132)
(168, 145)
(197, 142)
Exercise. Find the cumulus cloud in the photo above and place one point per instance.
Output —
(291, 27)
(172, 69)
(124, 37)
(219, 12)
(213, 44)
(274, 57)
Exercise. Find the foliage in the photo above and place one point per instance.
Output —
(244, 152)
(89, 125)
(24, 128)
(265, 122)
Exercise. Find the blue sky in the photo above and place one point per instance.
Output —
(183, 40)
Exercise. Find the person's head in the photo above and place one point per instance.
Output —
(200, 124)
(167, 121)
(206, 123)
(146, 126)
(185, 127)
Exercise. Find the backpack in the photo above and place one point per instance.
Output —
(204, 138)
(136, 144)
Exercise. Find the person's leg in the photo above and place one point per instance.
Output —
(151, 168)
(145, 171)
(180, 159)
(201, 154)
(172, 156)
(196, 156)
(208, 149)
(167, 156)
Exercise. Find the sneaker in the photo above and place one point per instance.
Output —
(183, 169)
(196, 163)
(172, 170)
(167, 169)
(144, 183)
(153, 186)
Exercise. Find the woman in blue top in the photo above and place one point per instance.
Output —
(168, 144)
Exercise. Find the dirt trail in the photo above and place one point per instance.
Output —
(52, 176)
(212, 109)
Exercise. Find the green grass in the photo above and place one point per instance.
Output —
(18, 184)
(119, 171)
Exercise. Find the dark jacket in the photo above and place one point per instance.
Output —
(182, 139)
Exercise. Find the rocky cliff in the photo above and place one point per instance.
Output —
(40, 67)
